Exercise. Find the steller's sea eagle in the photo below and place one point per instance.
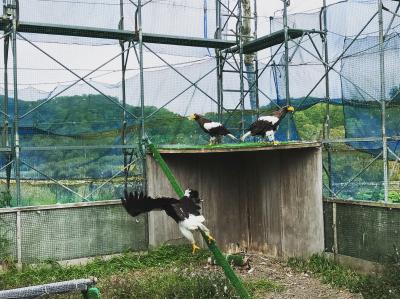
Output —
(266, 126)
(215, 129)
(185, 212)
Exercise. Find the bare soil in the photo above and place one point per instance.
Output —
(295, 285)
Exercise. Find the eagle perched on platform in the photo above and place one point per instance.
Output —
(185, 212)
(215, 129)
(266, 126)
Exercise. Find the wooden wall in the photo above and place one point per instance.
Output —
(265, 200)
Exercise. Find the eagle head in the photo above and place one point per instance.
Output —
(289, 108)
(191, 193)
(194, 116)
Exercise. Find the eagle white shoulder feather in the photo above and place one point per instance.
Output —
(269, 118)
(212, 125)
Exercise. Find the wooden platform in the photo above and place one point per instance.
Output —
(265, 198)
(235, 147)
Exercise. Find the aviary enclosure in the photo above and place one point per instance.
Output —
(86, 82)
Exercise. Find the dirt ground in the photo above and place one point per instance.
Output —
(296, 285)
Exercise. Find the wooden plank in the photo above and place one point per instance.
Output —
(61, 206)
(363, 203)
(263, 191)
(230, 148)
(301, 197)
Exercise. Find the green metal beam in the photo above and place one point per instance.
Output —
(271, 40)
(116, 34)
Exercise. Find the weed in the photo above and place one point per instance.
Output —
(384, 286)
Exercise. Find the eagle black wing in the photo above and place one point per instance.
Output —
(191, 204)
(137, 203)
(260, 127)
(219, 131)
(187, 205)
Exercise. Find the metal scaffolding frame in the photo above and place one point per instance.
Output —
(230, 51)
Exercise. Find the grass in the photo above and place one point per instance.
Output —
(168, 272)
(385, 285)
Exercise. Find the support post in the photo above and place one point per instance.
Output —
(142, 103)
(239, 33)
(219, 59)
(334, 228)
(123, 89)
(16, 108)
(286, 32)
(5, 134)
(327, 123)
(19, 240)
(383, 101)
(221, 260)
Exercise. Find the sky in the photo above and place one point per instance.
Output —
(82, 59)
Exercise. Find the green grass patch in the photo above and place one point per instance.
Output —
(383, 285)
(166, 256)
(167, 272)
(223, 145)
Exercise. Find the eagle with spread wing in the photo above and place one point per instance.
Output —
(215, 129)
(185, 212)
(266, 126)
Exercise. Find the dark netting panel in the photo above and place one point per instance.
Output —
(354, 174)
(361, 95)
(369, 233)
(66, 176)
(8, 236)
(62, 234)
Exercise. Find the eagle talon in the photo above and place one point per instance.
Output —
(275, 142)
(210, 239)
(194, 248)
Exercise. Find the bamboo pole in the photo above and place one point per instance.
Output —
(220, 259)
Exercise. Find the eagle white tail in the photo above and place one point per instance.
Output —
(245, 136)
(232, 137)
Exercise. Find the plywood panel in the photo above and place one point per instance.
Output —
(253, 199)
(301, 190)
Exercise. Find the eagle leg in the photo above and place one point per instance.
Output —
(213, 141)
(275, 142)
(210, 238)
(194, 248)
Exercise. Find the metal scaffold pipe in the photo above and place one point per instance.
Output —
(383, 101)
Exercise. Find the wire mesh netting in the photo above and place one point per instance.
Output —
(70, 232)
(365, 232)
(52, 288)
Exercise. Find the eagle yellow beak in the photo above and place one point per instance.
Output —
(191, 117)
(290, 108)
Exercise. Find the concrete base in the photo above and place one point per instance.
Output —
(266, 200)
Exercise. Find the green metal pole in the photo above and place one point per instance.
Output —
(91, 293)
(220, 259)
